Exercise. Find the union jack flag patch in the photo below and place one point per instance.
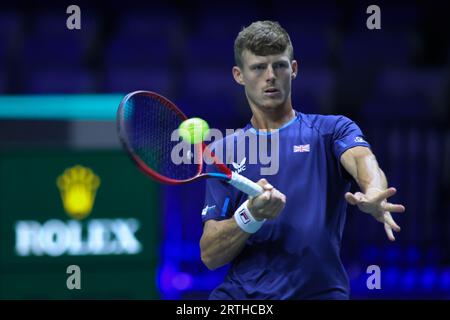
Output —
(302, 148)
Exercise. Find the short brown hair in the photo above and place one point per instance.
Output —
(262, 38)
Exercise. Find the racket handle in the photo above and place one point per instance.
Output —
(245, 185)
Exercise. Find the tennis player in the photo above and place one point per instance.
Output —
(285, 243)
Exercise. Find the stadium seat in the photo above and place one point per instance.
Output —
(59, 81)
(131, 79)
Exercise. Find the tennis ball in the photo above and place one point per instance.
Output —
(193, 130)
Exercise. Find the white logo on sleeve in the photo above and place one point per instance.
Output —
(359, 139)
(238, 168)
(206, 209)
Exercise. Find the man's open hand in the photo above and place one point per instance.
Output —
(374, 202)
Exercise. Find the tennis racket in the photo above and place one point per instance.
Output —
(145, 123)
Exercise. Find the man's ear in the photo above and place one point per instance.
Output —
(238, 76)
(294, 65)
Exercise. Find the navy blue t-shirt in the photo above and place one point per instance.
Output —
(297, 254)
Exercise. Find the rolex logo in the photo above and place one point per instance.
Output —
(78, 186)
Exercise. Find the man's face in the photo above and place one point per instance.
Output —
(267, 79)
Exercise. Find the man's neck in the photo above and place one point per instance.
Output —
(272, 119)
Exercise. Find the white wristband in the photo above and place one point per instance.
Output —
(245, 220)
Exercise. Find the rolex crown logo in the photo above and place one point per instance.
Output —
(78, 186)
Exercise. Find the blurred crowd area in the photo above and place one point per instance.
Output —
(393, 82)
(185, 51)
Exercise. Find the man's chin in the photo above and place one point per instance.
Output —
(272, 105)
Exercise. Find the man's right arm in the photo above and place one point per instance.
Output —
(223, 240)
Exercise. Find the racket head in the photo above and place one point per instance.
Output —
(145, 123)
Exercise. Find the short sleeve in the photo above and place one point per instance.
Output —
(219, 199)
(347, 135)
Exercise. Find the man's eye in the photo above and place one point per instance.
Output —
(280, 65)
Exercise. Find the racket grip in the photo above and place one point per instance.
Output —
(245, 185)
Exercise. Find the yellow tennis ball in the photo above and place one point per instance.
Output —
(194, 130)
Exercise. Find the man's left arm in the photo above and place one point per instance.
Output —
(362, 165)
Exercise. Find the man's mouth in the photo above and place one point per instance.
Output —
(272, 91)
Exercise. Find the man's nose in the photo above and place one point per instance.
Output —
(270, 73)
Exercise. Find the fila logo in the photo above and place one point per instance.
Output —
(244, 217)
(302, 148)
(238, 168)
(206, 209)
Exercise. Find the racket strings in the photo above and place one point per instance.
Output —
(149, 124)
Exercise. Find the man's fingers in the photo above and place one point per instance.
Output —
(271, 196)
(266, 195)
(274, 204)
(393, 207)
(264, 183)
(277, 199)
(350, 197)
(385, 194)
(389, 232)
(271, 206)
(278, 195)
(262, 199)
(272, 211)
(277, 208)
(388, 219)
